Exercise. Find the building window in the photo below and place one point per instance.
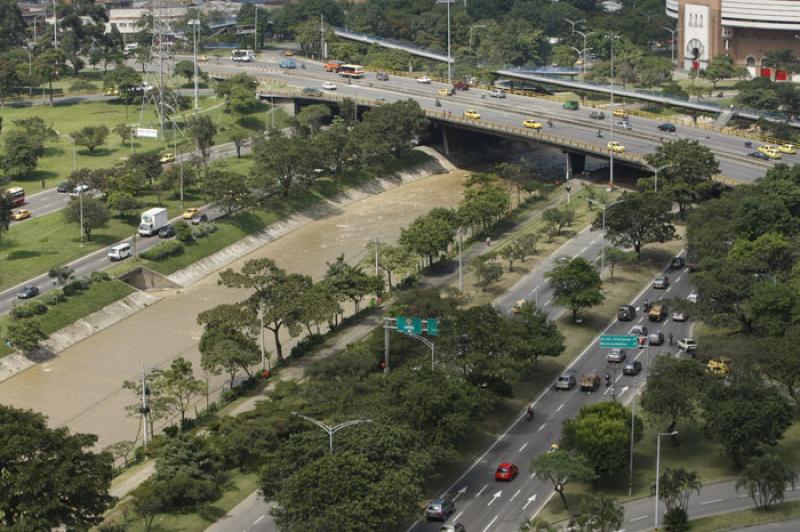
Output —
(701, 22)
(750, 61)
(763, 61)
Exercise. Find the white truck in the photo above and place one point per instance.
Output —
(245, 56)
(153, 220)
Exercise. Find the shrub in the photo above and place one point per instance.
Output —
(183, 232)
(163, 250)
(306, 345)
(209, 228)
(198, 234)
(21, 311)
(99, 276)
(676, 520)
(76, 286)
(38, 307)
(54, 297)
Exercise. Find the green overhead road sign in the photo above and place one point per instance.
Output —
(610, 341)
(433, 326)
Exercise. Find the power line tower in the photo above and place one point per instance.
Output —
(161, 64)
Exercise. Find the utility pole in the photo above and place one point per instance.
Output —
(264, 358)
(460, 262)
(255, 30)
(449, 64)
(323, 47)
(55, 26)
(145, 409)
(195, 24)
(377, 254)
(672, 42)
(612, 37)
(633, 431)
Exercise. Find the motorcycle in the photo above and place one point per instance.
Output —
(530, 413)
(608, 380)
(438, 103)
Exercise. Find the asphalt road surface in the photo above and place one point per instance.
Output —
(511, 111)
(786, 526)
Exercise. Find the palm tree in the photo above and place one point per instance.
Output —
(676, 486)
(536, 524)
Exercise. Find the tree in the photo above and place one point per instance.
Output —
(124, 132)
(280, 164)
(536, 524)
(430, 235)
(238, 136)
(577, 285)
(95, 214)
(25, 334)
(185, 69)
(48, 66)
(5, 212)
(394, 259)
(601, 433)
(61, 275)
(150, 499)
(617, 257)
(201, 129)
(9, 77)
(277, 295)
(638, 220)
(556, 219)
(721, 67)
(674, 395)
(173, 389)
(687, 179)
(227, 190)
(539, 335)
(22, 152)
(487, 272)
(228, 349)
(765, 478)
(50, 478)
(747, 413)
(310, 119)
(483, 205)
(598, 513)
(238, 93)
(351, 282)
(126, 80)
(560, 468)
(12, 26)
(563, 56)
(91, 137)
(122, 202)
(676, 486)
(676, 520)
(782, 59)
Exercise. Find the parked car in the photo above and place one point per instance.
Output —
(497, 93)
(687, 344)
(616, 355)
(199, 218)
(382, 76)
(597, 115)
(677, 263)
(28, 292)
(506, 471)
(632, 367)
(666, 126)
(679, 316)
(329, 86)
(439, 509)
(656, 338)
(64, 187)
(167, 157)
(566, 381)
(166, 232)
(661, 282)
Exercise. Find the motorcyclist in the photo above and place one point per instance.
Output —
(303, 66)
(530, 412)
(549, 123)
(599, 134)
(608, 379)
(438, 103)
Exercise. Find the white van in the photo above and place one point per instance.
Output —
(119, 252)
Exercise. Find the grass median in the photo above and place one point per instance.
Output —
(745, 518)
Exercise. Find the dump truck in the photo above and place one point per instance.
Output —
(589, 382)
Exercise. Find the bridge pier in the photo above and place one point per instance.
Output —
(445, 143)
(576, 163)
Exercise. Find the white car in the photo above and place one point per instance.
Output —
(329, 86)
(424, 79)
(692, 298)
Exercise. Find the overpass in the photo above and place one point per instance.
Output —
(554, 77)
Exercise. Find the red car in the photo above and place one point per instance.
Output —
(506, 471)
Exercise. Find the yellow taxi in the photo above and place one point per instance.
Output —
(718, 367)
(532, 124)
(189, 213)
(472, 114)
(620, 113)
(770, 151)
(20, 214)
(111, 91)
(202, 58)
(787, 148)
(167, 157)
(288, 53)
(445, 92)
(616, 147)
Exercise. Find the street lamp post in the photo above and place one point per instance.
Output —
(255, 30)
(603, 230)
(655, 174)
(331, 430)
(658, 467)
(195, 23)
(427, 342)
(582, 34)
(612, 37)
(449, 65)
(460, 262)
(672, 41)
(74, 169)
(471, 28)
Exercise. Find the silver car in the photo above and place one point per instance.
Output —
(566, 381)
(616, 355)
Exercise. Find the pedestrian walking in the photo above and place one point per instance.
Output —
(488, 241)
(670, 338)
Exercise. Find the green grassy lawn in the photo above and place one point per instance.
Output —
(736, 520)
(239, 486)
(97, 296)
(56, 164)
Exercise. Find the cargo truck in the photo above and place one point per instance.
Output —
(153, 220)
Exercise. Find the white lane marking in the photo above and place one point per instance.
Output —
(530, 500)
(678, 279)
(483, 488)
(560, 407)
(523, 447)
(490, 524)
(640, 320)
(667, 290)
(514, 496)
(712, 501)
(618, 377)
(548, 301)
(584, 249)
(258, 520)
(457, 516)
(595, 240)
(638, 518)
(540, 428)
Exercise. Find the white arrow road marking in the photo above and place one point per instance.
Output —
(460, 492)
(624, 389)
(514, 496)
(523, 447)
(638, 518)
(490, 524)
(640, 320)
(712, 501)
(483, 488)
(540, 428)
(560, 407)
(530, 500)
(495, 497)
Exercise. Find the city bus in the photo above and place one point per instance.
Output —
(16, 195)
(351, 71)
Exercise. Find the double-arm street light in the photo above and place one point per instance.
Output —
(605, 207)
(612, 37)
(582, 34)
(195, 23)
(655, 174)
(672, 41)
(75, 169)
(331, 430)
(427, 342)
(658, 466)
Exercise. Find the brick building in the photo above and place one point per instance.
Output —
(743, 29)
